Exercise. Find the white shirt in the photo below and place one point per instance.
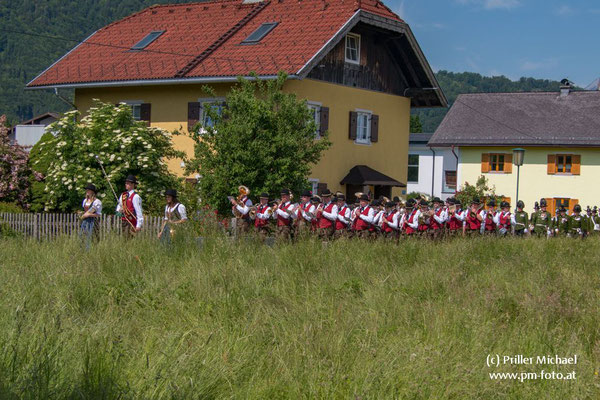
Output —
(378, 217)
(245, 207)
(96, 205)
(415, 223)
(370, 215)
(181, 210)
(282, 213)
(442, 218)
(497, 217)
(137, 206)
(394, 224)
(332, 216)
(305, 214)
(345, 216)
(265, 215)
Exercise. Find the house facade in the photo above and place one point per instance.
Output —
(431, 170)
(29, 132)
(560, 133)
(356, 63)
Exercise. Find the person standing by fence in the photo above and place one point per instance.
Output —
(130, 207)
(92, 210)
(175, 214)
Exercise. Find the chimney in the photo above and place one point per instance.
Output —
(565, 87)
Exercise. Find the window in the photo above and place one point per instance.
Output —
(413, 168)
(562, 203)
(216, 107)
(315, 110)
(564, 164)
(260, 33)
(449, 181)
(497, 162)
(146, 41)
(363, 127)
(314, 185)
(353, 48)
(136, 111)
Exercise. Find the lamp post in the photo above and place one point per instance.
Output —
(518, 156)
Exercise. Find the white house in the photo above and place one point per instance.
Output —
(28, 133)
(431, 170)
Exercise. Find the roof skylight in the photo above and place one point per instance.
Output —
(260, 33)
(145, 42)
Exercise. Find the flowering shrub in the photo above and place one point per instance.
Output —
(14, 172)
(124, 145)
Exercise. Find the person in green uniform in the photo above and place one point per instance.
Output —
(521, 220)
(578, 224)
(594, 222)
(541, 221)
(561, 224)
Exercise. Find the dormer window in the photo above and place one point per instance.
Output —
(147, 40)
(353, 48)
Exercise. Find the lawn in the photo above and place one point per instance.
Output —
(352, 320)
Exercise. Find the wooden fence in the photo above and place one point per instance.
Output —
(50, 226)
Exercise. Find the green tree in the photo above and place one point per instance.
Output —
(415, 124)
(124, 145)
(264, 139)
(481, 190)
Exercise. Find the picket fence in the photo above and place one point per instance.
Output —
(50, 226)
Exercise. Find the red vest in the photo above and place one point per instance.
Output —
(282, 221)
(504, 220)
(128, 209)
(473, 224)
(325, 223)
(433, 224)
(303, 207)
(490, 226)
(258, 222)
(361, 224)
(454, 223)
(409, 229)
(339, 225)
(425, 225)
(390, 218)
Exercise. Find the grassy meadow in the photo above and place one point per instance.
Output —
(132, 320)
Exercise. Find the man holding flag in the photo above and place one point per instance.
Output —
(130, 208)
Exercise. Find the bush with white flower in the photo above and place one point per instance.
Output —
(125, 146)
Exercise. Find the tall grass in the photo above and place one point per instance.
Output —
(133, 320)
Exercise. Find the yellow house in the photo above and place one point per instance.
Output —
(356, 63)
(560, 133)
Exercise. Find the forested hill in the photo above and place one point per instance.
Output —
(453, 84)
(22, 57)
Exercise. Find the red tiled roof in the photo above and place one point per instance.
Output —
(305, 26)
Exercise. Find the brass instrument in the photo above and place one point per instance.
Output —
(252, 212)
(242, 191)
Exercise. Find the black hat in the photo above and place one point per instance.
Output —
(171, 192)
(504, 204)
(410, 203)
(577, 208)
(90, 186)
(326, 193)
(562, 209)
(341, 197)
(131, 178)
(520, 204)
(390, 204)
(543, 203)
(536, 206)
(476, 201)
(306, 193)
(595, 209)
(285, 192)
(423, 203)
(456, 201)
(491, 203)
(315, 199)
(450, 201)
(264, 195)
(376, 203)
(436, 200)
(363, 197)
(396, 199)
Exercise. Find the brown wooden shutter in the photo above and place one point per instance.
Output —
(146, 112)
(485, 162)
(324, 120)
(508, 163)
(374, 128)
(572, 203)
(353, 125)
(321, 187)
(576, 164)
(551, 164)
(193, 115)
(551, 205)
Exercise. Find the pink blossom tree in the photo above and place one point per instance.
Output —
(14, 172)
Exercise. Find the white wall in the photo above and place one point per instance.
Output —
(28, 135)
(444, 161)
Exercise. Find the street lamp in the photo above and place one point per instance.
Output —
(518, 156)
